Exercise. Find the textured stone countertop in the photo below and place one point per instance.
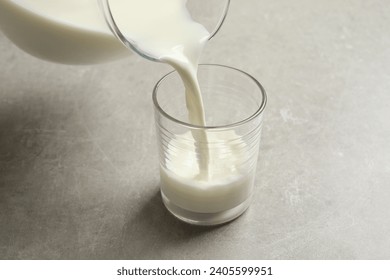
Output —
(78, 159)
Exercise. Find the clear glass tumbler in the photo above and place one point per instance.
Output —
(207, 173)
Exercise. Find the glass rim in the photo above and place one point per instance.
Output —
(259, 110)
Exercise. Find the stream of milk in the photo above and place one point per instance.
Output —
(212, 181)
(165, 30)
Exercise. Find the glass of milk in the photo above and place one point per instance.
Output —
(208, 172)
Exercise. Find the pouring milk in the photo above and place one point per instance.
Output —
(163, 29)
(166, 31)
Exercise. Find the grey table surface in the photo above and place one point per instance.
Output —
(78, 159)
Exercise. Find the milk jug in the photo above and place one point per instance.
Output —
(64, 31)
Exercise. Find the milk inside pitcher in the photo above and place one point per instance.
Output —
(76, 31)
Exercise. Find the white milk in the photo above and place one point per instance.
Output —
(64, 31)
(82, 13)
(165, 30)
(230, 178)
(208, 184)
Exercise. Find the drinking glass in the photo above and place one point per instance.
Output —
(227, 147)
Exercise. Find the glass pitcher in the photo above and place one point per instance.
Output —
(77, 32)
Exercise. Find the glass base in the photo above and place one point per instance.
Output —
(205, 219)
